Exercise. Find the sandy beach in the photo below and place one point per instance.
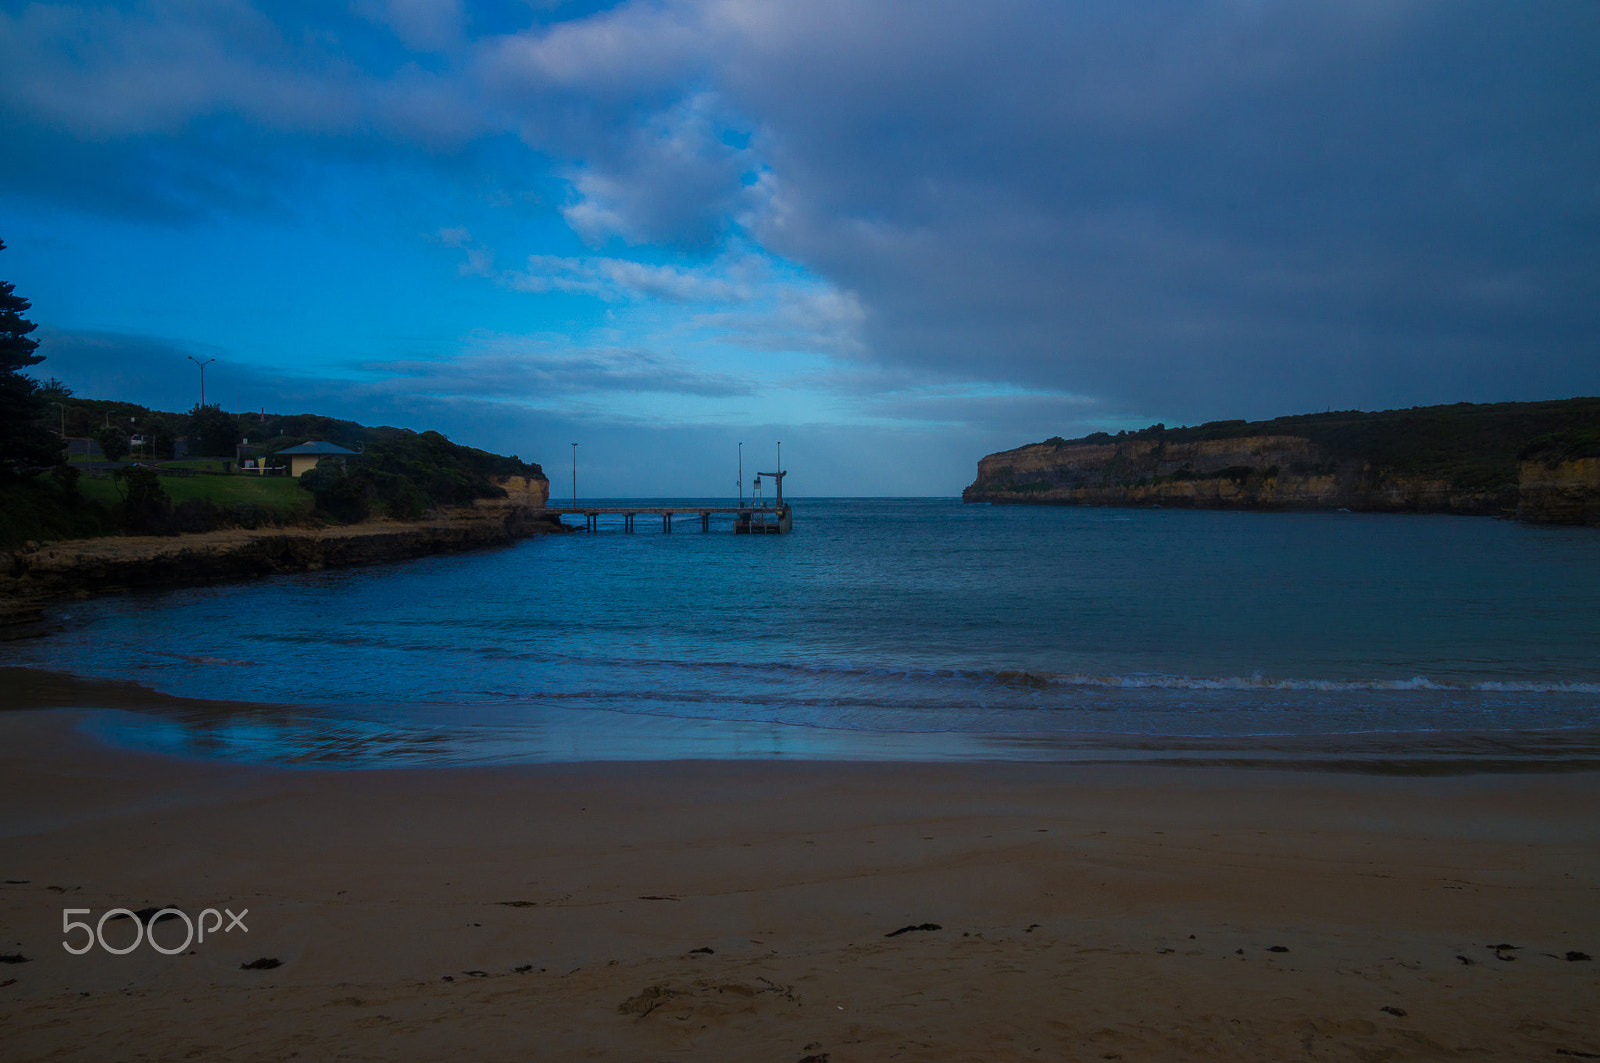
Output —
(742, 911)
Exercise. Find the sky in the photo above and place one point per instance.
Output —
(893, 235)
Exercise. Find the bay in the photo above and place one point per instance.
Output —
(889, 628)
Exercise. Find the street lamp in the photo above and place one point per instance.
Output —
(741, 474)
(574, 476)
(202, 366)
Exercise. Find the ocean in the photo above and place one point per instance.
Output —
(899, 629)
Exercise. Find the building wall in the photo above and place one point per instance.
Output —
(300, 464)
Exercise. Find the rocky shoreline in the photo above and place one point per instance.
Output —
(39, 573)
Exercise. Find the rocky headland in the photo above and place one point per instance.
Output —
(1535, 461)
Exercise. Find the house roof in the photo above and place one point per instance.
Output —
(316, 446)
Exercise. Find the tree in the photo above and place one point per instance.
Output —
(113, 442)
(341, 496)
(212, 433)
(25, 442)
(146, 509)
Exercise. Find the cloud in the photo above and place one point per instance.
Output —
(812, 317)
(103, 72)
(513, 370)
(740, 299)
(1173, 211)
(674, 179)
(616, 278)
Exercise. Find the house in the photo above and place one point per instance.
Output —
(306, 456)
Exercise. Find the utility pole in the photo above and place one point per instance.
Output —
(574, 475)
(202, 366)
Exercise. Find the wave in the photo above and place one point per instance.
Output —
(1255, 682)
(1024, 679)
(1017, 679)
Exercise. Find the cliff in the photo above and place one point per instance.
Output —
(1478, 460)
(528, 492)
(1562, 492)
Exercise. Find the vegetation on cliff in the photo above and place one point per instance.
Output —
(402, 474)
(1461, 458)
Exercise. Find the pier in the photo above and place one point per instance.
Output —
(754, 519)
(757, 518)
(748, 520)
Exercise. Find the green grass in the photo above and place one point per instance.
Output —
(281, 496)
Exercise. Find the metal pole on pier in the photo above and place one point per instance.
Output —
(574, 474)
(741, 471)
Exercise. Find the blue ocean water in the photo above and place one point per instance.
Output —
(883, 628)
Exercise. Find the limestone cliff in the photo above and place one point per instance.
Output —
(529, 492)
(1248, 472)
(1562, 492)
(1460, 459)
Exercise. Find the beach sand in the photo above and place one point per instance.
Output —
(744, 911)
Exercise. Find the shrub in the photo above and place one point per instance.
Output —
(340, 495)
(145, 509)
(113, 442)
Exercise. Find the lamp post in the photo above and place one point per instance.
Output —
(202, 366)
(741, 474)
(574, 476)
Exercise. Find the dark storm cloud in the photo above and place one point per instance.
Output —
(1200, 208)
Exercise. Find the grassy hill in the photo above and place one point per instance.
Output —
(397, 473)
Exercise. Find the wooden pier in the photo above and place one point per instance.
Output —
(748, 520)
(758, 518)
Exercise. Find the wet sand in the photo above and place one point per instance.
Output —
(746, 910)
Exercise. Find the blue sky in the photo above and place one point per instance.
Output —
(895, 236)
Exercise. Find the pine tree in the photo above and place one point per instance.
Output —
(25, 443)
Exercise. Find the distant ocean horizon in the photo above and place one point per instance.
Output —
(889, 629)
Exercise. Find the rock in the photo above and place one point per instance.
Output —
(909, 929)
